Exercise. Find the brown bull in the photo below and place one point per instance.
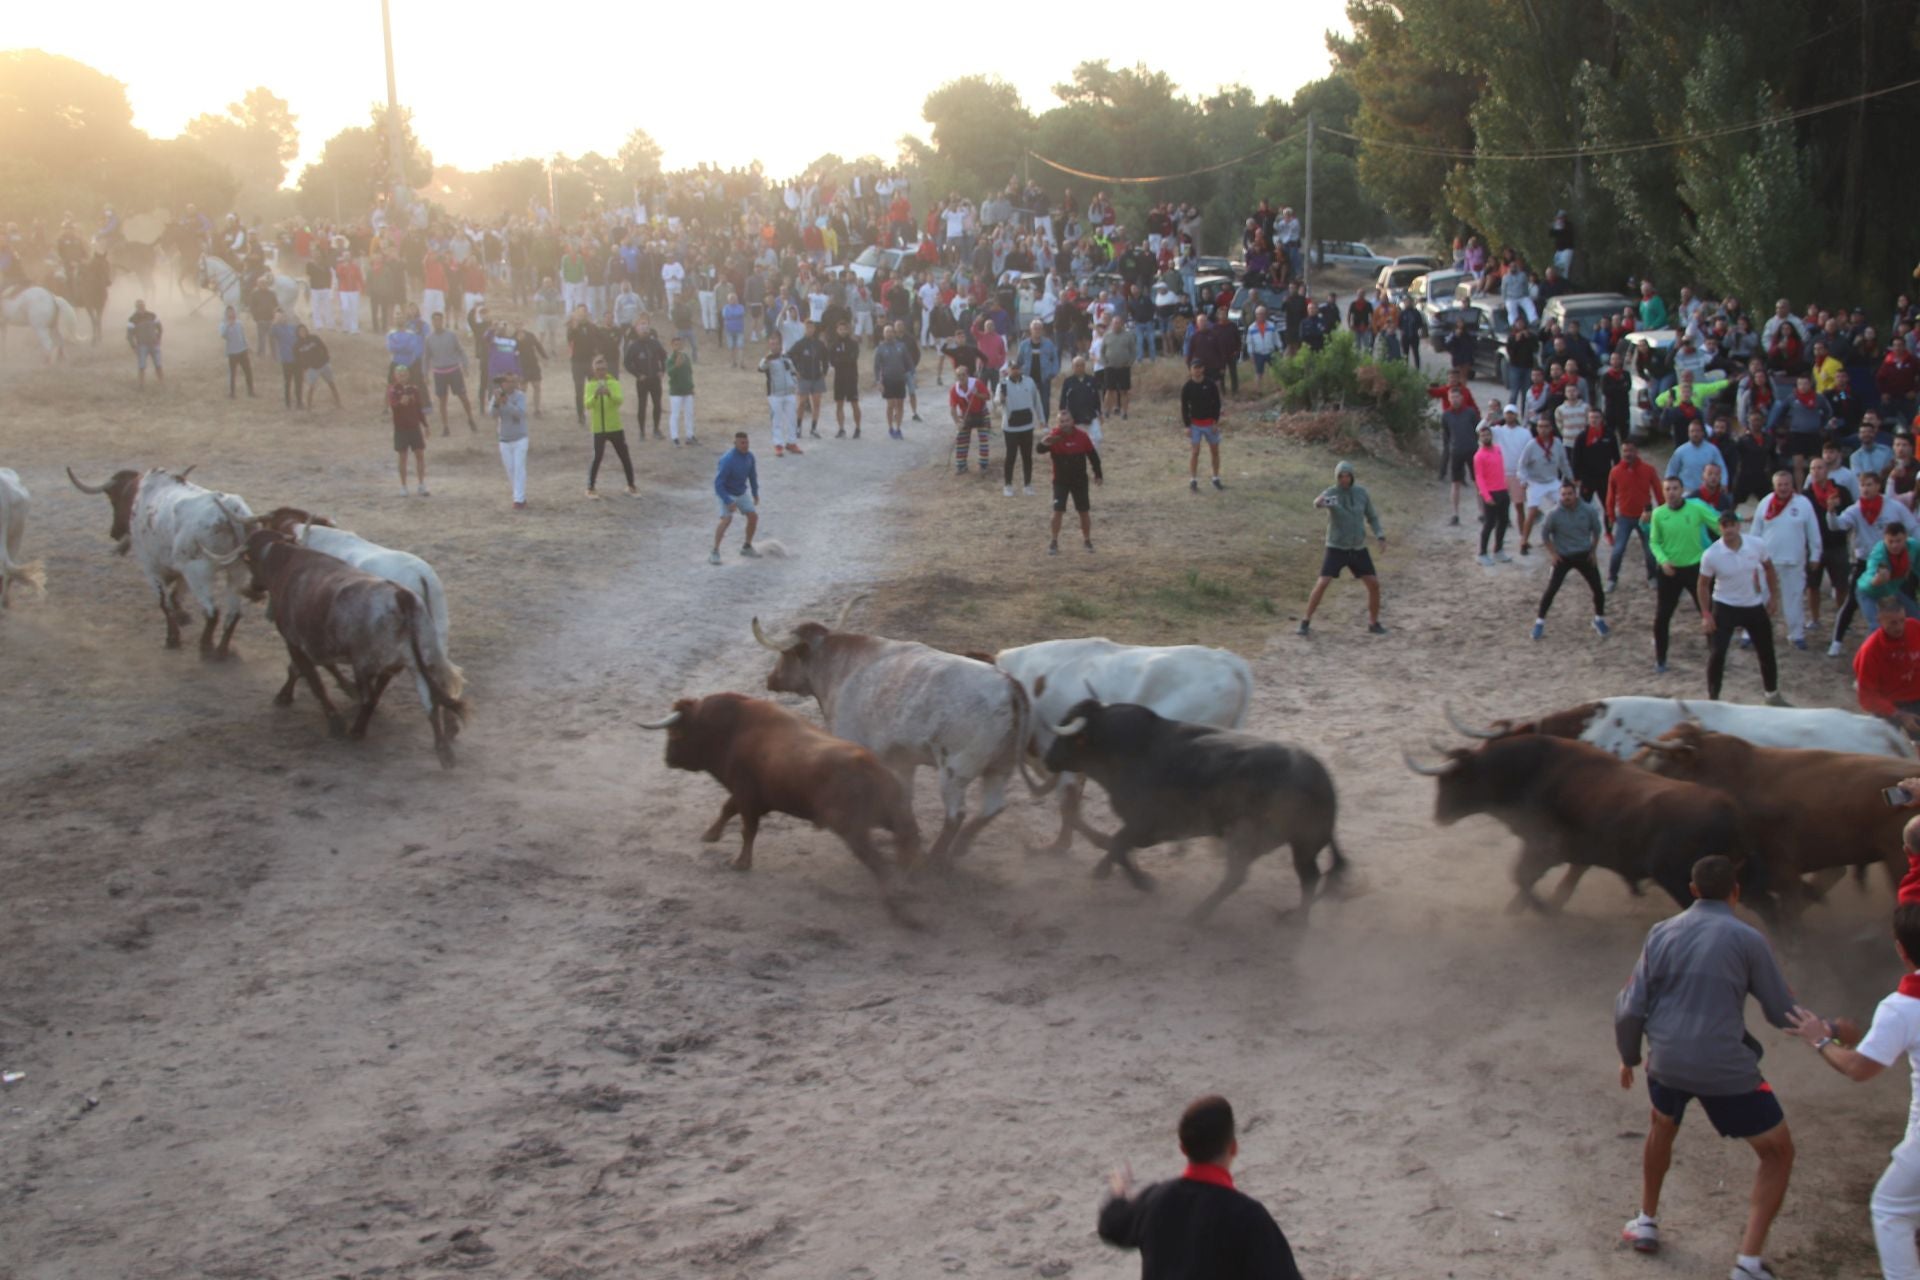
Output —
(1812, 813)
(1574, 804)
(330, 613)
(772, 761)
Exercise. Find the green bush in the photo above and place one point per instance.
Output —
(1339, 378)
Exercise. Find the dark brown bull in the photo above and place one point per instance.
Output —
(1812, 813)
(772, 761)
(328, 612)
(1575, 804)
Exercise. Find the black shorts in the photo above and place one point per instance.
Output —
(408, 438)
(1461, 468)
(1100, 382)
(846, 385)
(1120, 379)
(1735, 1115)
(1338, 558)
(1075, 489)
(893, 388)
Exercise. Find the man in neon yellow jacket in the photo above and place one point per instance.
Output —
(1678, 532)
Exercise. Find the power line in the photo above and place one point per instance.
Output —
(1169, 177)
(1622, 148)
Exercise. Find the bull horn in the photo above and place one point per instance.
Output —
(1093, 692)
(846, 611)
(1462, 729)
(84, 488)
(668, 723)
(761, 636)
(1070, 728)
(181, 476)
(1687, 711)
(1425, 770)
(222, 560)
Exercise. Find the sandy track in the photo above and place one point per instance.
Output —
(345, 1015)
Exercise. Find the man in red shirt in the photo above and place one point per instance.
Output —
(1633, 491)
(1897, 378)
(347, 284)
(1887, 672)
(967, 399)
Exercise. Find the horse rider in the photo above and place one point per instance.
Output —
(109, 235)
(72, 251)
(233, 242)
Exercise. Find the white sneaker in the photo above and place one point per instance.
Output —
(423, 492)
(1484, 559)
(1834, 650)
(1643, 1233)
(1006, 491)
(1741, 1272)
(1029, 490)
(1503, 557)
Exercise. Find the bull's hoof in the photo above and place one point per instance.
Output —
(173, 642)
(740, 862)
(1103, 868)
(1057, 849)
(711, 834)
(1139, 880)
(284, 698)
(357, 733)
(445, 753)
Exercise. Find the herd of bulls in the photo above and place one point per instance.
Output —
(363, 612)
(1638, 786)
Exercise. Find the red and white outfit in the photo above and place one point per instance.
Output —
(968, 398)
(347, 283)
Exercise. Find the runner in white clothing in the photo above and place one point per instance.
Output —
(1785, 523)
(1895, 1206)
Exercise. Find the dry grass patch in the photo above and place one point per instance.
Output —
(1170, 567)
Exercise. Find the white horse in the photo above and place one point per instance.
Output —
(216, 275)
(49, 315)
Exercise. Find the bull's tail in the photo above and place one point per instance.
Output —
(456, 678)
(1022, 735)
(436, 672)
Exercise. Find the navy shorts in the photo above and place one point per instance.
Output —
(1358, 562)
(1733, 1115)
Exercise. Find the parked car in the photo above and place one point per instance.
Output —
(1648, 355)
(874, 259)
(1396, 278)
(1349, 253)
(1240, 311)
(1433, 293)
(1487, 320)
(1212, 266)
(1583, 307)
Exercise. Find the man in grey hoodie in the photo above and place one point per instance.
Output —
(1350, 513)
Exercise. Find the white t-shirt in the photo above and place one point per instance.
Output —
(956, 221)
(1739, 578)
(671, 275)
(1896, 1030)
(1513, 440)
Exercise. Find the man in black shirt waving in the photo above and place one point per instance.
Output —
(1197, 1226)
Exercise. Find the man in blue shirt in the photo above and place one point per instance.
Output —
(736, 487)
(1690, 460)
(1872, 455)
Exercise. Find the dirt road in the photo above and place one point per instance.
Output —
(293, 1007)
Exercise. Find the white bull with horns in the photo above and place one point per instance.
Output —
(1622, 726)
(175, 530)
(1186, 682)
(913, 705)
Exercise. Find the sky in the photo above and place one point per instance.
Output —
(788, 92)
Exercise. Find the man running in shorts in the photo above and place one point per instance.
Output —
(1350, 513)
(890, 371)
(736, 487)
(448, 361)
(1072, 451)
(1200, 411)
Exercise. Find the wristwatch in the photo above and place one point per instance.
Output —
(1822, 1043)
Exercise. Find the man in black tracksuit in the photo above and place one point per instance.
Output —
(1197, 1226)
(646, 360)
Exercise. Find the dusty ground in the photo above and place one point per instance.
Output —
(294, 1007)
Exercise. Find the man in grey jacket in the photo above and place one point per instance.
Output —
(1687, 998)
(1350, 513)
(1571, 535)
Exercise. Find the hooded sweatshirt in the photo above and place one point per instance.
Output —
(1350, 512)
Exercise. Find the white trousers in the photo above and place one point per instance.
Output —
(1793, 598)
(513, 456)
(1517, 305)
(677, 406)
(780, 412)
(574, 295)
(322, 300)
(349, 301)
(1896, 1214)
(433, 302)
(709, 309)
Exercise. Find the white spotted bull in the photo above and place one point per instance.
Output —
(13, 533)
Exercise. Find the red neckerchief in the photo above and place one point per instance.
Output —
(1908, 895)
(1593, 435)
(1910, 986)
(1870, 509)
(1806, 399)
(1897, 570)
(1209, 1173)
(1710, 496)
(1546, 444)
(1822, 490)
(1777, 504)
(1761, 393)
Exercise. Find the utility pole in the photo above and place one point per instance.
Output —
(396, 157)
(1306, 232)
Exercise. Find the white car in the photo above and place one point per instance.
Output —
(1349, 253)
(1396, 279)
(897, 263)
